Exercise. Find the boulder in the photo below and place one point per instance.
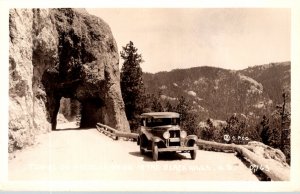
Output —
(55, 53)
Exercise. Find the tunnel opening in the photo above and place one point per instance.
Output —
(73, 99)
(69, 111)
(82, 113)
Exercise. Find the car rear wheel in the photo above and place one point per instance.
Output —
(155, 152)
(193, 154)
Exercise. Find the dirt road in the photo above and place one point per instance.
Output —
(85, 154)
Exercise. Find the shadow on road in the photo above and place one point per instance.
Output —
(165, 156)
(70, 129)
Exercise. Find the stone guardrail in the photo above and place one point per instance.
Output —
(275, 172)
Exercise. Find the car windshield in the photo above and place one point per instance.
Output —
(153, 122)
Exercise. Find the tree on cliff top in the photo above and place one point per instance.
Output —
(132, 86)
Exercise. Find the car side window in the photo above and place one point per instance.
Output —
(148, 122)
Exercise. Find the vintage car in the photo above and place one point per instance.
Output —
(160, 132)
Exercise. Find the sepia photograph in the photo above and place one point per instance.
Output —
(149, 96)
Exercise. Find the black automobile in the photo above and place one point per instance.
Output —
(160, 132)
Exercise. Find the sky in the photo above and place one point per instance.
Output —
(182, 38)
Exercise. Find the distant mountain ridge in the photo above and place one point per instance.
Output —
(218, 93)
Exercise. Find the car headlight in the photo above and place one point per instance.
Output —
(166, 135)
(183, 134)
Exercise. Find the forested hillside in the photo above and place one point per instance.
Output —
(218, 93)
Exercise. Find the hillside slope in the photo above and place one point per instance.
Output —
(218, 93)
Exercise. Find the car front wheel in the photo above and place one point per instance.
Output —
(155, 152)
(193, 154)
(142, 149)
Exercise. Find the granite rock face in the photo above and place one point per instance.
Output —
(57, 53)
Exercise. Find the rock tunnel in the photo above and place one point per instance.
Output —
(64, 79)
(84, 67)
(56, 53)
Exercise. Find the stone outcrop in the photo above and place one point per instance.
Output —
(267, 152)
(57, 53)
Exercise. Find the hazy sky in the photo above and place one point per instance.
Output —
(183, 38)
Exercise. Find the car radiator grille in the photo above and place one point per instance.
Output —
(174, 143)
(174, 133)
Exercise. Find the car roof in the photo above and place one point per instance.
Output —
(160, 115)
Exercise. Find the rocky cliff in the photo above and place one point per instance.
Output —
(57, 53)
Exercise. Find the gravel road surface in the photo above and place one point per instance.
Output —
(85, 154)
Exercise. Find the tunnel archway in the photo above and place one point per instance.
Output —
(58, 85)
(87, 113)
(92, 109)
(91, 112)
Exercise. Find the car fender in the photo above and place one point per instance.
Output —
(141, 138)
(194, 137)
(147, 133)
(156, 139)
(190, 140)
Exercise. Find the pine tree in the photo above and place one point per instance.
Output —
(156, 104)
(232, 126)
(265, 130)
(187, 116)
(169, 107)
(182, 108)
(239, 131)
(275, 131)
(285, 122)
(208, 132)
(148, 103)
(278, 127)
(132, 86)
